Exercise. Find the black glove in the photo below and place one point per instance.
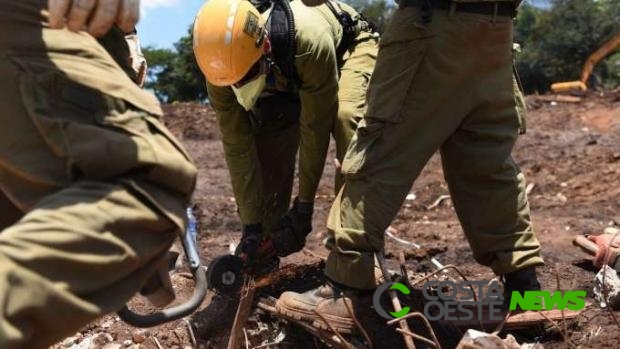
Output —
(290, 234)
(250, 240)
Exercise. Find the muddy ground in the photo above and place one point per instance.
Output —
(570, 155)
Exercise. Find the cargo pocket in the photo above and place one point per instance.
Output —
(64, 113)
(357, 156)
(100, 137)
(356, 72)
(353, 86)
(402, 49)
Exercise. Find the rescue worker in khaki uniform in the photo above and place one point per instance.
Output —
(443, 81)
(93, 186)
(274, 96)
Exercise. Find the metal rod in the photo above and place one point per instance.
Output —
(402, 242)
(395, 302)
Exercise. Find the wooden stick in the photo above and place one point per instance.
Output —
(395, 302)
(243, 312)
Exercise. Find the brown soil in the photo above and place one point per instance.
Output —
(571, 154)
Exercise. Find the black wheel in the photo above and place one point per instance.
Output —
(224, 274)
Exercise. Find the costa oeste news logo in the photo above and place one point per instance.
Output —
(453, 301)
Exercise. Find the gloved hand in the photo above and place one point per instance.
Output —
(250, 240)
(604, 243)
(290, 234)
(136, 58)
(95, 16)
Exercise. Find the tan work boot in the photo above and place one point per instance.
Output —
(334, 305)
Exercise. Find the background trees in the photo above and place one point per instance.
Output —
(173, 74)
(557, 41)
(556, 38)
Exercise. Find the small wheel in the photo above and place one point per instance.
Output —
(224, 274)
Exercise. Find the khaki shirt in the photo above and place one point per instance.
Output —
(318, 34)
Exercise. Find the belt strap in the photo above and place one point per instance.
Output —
(497, 8)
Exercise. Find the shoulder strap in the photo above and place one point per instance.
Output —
(281, 28)
(351, 27)
(261, 5)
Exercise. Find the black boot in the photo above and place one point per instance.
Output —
(520, 281)
(289, 236)
(252, 234)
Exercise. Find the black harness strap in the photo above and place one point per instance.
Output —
(281, 28)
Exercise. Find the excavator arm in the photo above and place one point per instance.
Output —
(596, 57)
(588, 67)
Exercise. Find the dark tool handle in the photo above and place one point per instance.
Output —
(170, 314)
(585, 244)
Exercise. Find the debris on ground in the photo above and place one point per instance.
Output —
(607, 288)
(476, 339)
(559, 99)
(569, 148)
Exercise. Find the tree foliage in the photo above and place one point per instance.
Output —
(557, 41)
(378, 12)
(174, 74)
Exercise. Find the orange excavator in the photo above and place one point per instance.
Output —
(595, 57)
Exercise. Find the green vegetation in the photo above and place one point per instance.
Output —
(376, 11)
(555, 40)
(174, 74)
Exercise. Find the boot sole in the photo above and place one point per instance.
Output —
(340, 324)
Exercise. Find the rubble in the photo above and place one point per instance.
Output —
(71, 341)
(477, 339)
(607, 283)
(558, 99)
(139, 336)
(112, 346)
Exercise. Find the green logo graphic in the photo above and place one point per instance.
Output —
(404, 290)
(547, 300)
(376, 302)
(453, 301)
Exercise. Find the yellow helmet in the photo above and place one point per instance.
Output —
(228, 40)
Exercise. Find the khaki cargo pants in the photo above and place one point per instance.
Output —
(274, 139)
(445, 86)
(93, 188)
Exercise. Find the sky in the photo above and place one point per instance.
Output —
(163, 22)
